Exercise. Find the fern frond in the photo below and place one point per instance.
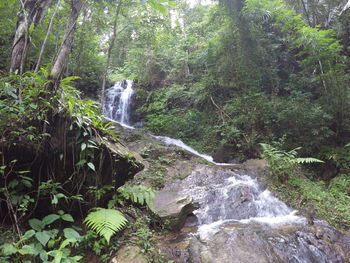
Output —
(105, 222)
(308, 160)
(138, 194)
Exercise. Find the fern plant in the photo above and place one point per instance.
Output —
(105, 222)
(137, 194)
(281, 163)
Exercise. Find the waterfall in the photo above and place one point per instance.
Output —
(117, 102)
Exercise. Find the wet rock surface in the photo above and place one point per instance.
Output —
(240, 221)
(173, 208)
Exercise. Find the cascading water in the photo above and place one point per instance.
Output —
(117, 102)
(239, 220)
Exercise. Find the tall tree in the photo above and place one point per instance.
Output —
(32, 13)
(67, 42)
(46, 37)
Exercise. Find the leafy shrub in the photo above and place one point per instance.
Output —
(44, 242)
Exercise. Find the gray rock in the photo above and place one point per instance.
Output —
(173, 208)
(129, 254)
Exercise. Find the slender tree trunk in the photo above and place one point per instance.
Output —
(67, 43)
(81, 43)
(46, 37)
(33, 11)
(306, 12)
(109, 52)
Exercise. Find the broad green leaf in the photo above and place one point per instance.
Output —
(50, 219)
(43, 237)
(43, 256)
(66, 242)
(11, 2)
(60, 195)
(67, 80)
(27, 250)
(8, 249)
(70, 233)
(28, 234)
(67, 217)
(36, 224)
(38, 249)
(27, 183)
(58, 257)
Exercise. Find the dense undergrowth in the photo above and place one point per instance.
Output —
(317, 199)
(58, 167)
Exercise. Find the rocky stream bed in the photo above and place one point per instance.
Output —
(226, 214)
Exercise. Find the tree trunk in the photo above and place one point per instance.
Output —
(306, 12)
(67, 43)
(109, 52)
(33, 11)
(46, 37)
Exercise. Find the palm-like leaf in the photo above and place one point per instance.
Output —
(105, 222)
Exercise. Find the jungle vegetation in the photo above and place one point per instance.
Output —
(238, 79)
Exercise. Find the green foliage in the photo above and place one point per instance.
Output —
(85, 113)
(44, 243)
(138, 194)
(143, 236)
(161, 5)
(329, 202)
(106, 222)
(23, 107)
(284, 164)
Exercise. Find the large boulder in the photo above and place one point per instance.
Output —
(173, 208)
(129, 254)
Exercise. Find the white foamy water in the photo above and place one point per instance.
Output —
(181, 144)
(276, 221)
(117, 102)
(225, 197)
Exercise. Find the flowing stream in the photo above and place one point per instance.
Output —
(238, 219)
